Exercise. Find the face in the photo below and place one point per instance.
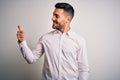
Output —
(59, 19)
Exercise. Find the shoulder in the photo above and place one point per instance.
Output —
(77, 36)
(47, 35)
(80, 39)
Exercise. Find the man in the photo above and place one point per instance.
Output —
(64, 51)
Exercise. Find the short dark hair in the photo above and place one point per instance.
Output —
(67, 8)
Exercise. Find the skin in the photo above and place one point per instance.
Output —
(61, 21)
(20, 34)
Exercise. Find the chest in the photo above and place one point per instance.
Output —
(61, 44)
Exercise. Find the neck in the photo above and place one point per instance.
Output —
(65, 29)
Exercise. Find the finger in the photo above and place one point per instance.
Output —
(20, 39)
(19, 35)
(20, 28)
(20, 32)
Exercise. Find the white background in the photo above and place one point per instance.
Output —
(98, 21)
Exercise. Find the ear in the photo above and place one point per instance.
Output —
(68, 19)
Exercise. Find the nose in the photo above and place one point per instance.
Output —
(53, 18)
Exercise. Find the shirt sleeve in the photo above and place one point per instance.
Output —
(82, 62)
(28, 54)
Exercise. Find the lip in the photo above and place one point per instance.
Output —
(54, 22)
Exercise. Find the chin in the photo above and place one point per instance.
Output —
(54, 27)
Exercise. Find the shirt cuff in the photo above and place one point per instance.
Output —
(24, 43)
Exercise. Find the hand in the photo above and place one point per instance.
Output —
(20, 34)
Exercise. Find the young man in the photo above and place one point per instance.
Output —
(64, 51)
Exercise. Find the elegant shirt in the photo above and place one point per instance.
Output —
(65, 56)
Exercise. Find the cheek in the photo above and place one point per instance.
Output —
(63, 22)
(58, 20)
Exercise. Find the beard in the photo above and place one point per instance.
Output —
(55, 25)
(58, 26)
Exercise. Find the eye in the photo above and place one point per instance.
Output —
(56, 15)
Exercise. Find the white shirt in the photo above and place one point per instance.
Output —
(64, 56)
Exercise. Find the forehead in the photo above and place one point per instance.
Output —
(58, 11)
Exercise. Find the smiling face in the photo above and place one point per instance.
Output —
(60, 19)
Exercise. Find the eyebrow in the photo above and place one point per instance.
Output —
(55, 14)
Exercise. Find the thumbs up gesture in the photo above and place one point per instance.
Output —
(20, 34)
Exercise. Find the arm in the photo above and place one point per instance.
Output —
(82, 62)
(29, 55)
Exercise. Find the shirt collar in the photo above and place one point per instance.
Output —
(69, 33)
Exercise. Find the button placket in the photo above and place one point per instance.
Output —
(60, 53)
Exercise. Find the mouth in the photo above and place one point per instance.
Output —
(55, 22)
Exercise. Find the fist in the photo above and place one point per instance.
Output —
(20, 34)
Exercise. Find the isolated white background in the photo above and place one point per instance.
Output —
(98, 21)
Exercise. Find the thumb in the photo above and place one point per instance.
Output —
(20, 28)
